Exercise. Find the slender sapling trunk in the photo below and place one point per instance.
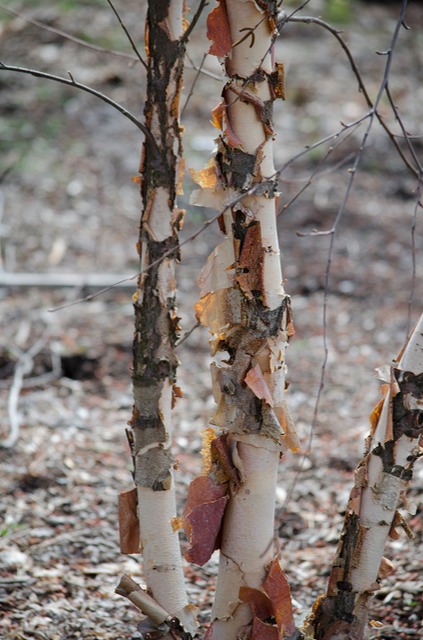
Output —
(381, 480)
(245, 307)
(156, 321)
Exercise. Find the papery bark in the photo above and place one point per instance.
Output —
(245, 307)
(381, 480)
(156, 321)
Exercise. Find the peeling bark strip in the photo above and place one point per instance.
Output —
(381, 480)
(245, 308)
(158, 622)
(156, 321)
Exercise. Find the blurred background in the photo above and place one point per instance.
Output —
(69, 212)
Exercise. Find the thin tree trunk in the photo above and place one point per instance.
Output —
(245, 307)
(372, 515)
(156, 322)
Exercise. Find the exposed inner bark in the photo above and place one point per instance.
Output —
(372, 515)
(245, 307)
(156, 321)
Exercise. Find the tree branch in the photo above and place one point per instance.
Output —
(74, 83)
(69, 36)
(232, 202)
(128, 35)
(203, 4)
(336, 34)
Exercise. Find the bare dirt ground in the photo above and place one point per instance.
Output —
(68, 206)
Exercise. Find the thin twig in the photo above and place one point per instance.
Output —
(317, 174)
(203, 71)
(405, 133)
(203, 4)
(418, 205)
(343, 205)
(44, 378)
(194, 82)
(187, 334)
(315, 145)
(71, 82)
(92, 296)
(332, 235)
(72, 38)
(231, 202)
(85, 281)
(337, 35)
(23, 366)
(128, 35)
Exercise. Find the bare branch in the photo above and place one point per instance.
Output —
(194, 82)
(317, 173)
(342, 208)
(73, 83)
(332, 235)
(200, 230)
(405, 134)
(203, 4)
(187, 334)
(418, 205)
(69, 36)
(86, 281)
(336, 34)
(95, 295)
(317, 144)
(204, 72)
(23, 367)
(128, 35)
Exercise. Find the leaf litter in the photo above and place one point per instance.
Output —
(59, 551)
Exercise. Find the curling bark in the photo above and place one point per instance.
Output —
(245, 307)
(156, 322)
(372, 516)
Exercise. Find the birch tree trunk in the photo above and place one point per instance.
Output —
(245, 307)
(372, 516)
(156, 322)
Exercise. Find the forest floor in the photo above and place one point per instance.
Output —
(68, 206)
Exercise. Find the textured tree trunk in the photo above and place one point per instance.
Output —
(156, 322)
(372, 515)
(246, 310)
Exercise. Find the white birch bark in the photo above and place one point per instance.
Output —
(247, 539)
(372, 516)
(156, 322)
(245, 307)
(381, 497)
